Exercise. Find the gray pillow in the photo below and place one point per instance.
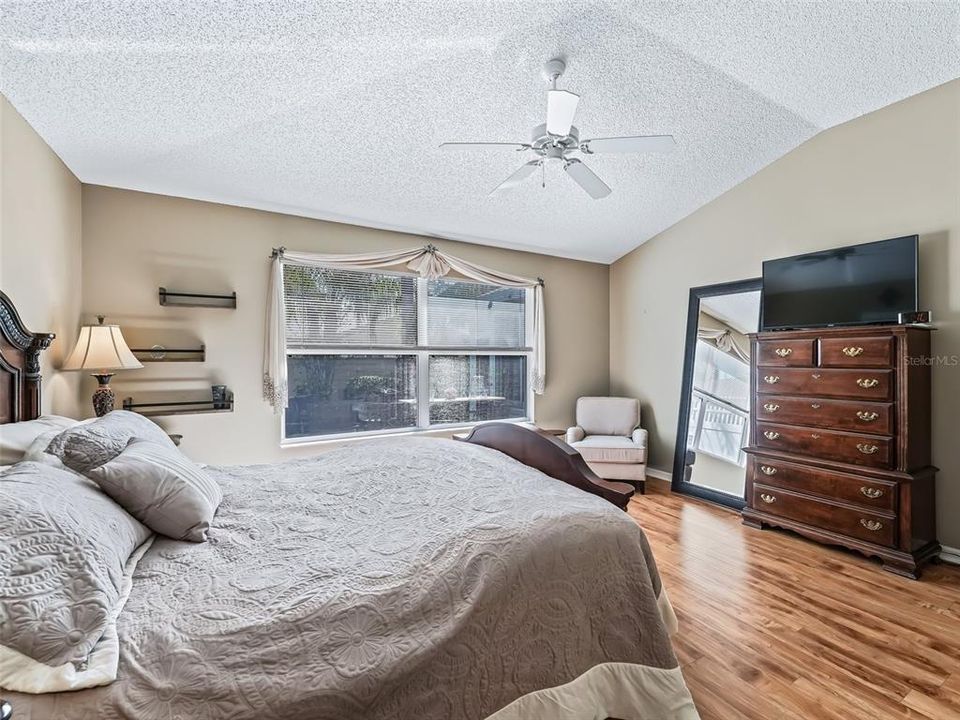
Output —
(162, 488)
(90, 445)
(67, 553)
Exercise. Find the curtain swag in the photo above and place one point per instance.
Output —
(428, 262)
(725, 342)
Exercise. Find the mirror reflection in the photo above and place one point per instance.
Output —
(718, 421)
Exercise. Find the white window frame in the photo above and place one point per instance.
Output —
(422, 351)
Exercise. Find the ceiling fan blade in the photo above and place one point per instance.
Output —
(634, 143)
(521, 174)
(587, 179)
(490, 145)
(561, 108)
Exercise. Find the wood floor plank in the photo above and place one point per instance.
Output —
(775, 626)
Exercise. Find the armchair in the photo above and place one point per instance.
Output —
(609, 438)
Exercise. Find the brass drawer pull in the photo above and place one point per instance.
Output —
(771, 407)
(816, 376)
(771, 435)
(783, 352)
(815, 436)
(771, 379)
(867, 416)
(872, 493)
(768, 499)
(867, 382)
(867, 449)
(816, 406)
(853, 351)
(767, 470)
(872, 525)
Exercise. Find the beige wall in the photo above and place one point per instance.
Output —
(893, 172)
(40, 248)
(136, 242)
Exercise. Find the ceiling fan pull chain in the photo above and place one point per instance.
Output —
(543, 174)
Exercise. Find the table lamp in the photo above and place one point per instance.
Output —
(101, 348)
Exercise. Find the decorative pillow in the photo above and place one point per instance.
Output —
(87, 446)
(162, 488)
(15, 438)
(67, 553)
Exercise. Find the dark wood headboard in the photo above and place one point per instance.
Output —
(19, 365)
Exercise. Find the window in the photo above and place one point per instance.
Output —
(720, 404)
(377, 352)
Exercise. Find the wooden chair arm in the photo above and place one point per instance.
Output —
(550, 456)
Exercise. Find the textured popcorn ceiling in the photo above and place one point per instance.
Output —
(335, 109)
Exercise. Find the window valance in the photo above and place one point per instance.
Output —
(725, 342)
(428, 262)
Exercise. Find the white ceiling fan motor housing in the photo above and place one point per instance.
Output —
(540, 139)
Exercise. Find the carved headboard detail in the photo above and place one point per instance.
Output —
(19, 365)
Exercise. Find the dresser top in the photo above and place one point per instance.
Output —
(847, 330)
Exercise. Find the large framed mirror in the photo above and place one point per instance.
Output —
(714, 420)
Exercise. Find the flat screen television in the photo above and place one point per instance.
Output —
(857, 285)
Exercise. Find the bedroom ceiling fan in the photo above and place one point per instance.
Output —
(555, 140)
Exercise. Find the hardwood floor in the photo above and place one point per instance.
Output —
(774, 626)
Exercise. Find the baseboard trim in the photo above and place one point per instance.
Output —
(950, 555)
(659, 475)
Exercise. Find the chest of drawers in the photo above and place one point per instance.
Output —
(840, 440)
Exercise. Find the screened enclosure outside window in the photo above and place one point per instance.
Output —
(377, 352)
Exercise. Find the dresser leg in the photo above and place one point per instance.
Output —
(750, 522)
(907, 569)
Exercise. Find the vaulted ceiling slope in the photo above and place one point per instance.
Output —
(335, 110)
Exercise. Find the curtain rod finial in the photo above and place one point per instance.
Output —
(540, 282)
(277, 252)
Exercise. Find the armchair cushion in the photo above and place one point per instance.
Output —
(610, 449)
(608, 415)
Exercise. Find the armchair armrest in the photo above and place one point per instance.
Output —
(575, 434)
(640, 437)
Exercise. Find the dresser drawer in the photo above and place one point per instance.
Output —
(784, 353)
(868, 450)
(856, 384)
(858, 352)
(868, 417)
(878, 528)
(857, 490)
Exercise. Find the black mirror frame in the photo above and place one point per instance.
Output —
(677, 483)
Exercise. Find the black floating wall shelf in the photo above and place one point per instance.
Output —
(159, 353)
(168, 298)
(180, 407)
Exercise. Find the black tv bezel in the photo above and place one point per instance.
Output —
(916, 285)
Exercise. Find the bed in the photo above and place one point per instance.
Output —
(404, 578)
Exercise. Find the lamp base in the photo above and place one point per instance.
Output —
(103, 396)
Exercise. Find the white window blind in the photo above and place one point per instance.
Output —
(329, 307)
(469, 314)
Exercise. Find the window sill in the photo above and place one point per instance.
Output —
(444, 431)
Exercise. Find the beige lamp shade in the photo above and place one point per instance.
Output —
(101, 348)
